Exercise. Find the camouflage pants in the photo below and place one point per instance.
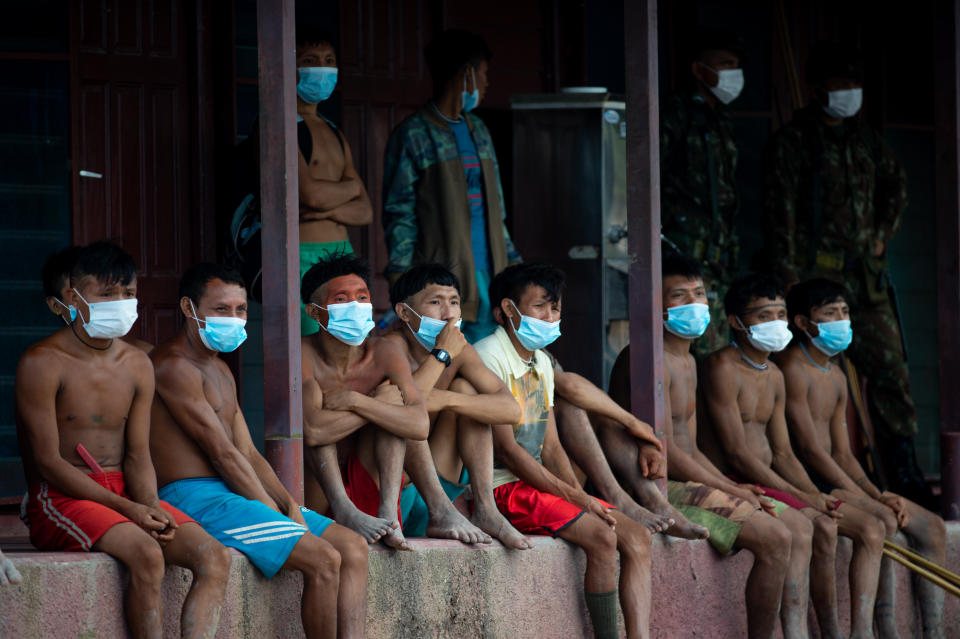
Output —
(718, 331)
(877, 352)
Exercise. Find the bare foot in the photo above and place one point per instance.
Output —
(497, 525)
(452, 525)
(393, 537)
(654, 522)
(370, 528)
(652, 498)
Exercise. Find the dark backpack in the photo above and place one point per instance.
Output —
(243, 248)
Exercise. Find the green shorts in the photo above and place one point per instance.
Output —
(721, 513)
(310, 254)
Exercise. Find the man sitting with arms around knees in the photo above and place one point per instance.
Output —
(735, 514)
(816, 414)
(352, 383)
(534, 484)
(83, 420)
(463, 398)
(207, 463)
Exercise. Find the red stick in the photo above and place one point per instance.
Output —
(88, 459)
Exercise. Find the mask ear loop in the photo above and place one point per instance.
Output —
(322, 309)
(61, 303)
(197, 319)
(85, 321)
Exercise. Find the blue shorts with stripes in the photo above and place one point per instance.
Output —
(265, 536)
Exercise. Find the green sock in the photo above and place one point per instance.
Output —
(602, 607)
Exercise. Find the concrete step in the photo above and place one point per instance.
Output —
(442, 589)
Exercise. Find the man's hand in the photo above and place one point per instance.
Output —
(652, 462)
(293, 512)
(640, 429)
(823, 503)
(594, 507)
(339, 400)
(451, 339)
(898, 505)
(156, 521)
(388, 394)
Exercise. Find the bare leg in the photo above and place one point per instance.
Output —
(475, 443)
(445, 521)
(319, 562)
(388, 451)
(928, 536)
(581, 443)
(142, 556)
(352, 596)
(322, 462)
(867, 533)
(769, 540)
(796, 584)
(209, 561)
(633, 542)
(823, 573)
(885, 606)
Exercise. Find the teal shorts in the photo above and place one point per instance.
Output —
(413, 510)
(476, 331)
(310, 254)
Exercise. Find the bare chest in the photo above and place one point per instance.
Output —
(95, 397)
(326, 158)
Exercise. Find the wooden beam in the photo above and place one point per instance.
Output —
(947, 122)
(283, 417)
(643, 213)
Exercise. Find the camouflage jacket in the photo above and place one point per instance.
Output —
(426, 213)
(830, 192)
(696, 142)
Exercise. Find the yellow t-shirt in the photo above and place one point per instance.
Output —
(531, 385)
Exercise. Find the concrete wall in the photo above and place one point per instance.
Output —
(443, 589)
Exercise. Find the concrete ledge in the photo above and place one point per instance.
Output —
(443, 589)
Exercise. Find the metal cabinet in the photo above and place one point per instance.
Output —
(569, 209)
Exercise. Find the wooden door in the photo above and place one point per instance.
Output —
(135, 124)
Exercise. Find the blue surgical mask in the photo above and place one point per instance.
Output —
(534, 333)
(350, 322)
(316, 83)
(834, 337)
(471, 99)
(221, 334)
(429, 329)
(70, 308)
(688, 321)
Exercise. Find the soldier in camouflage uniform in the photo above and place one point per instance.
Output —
(698, 156)
(835, 194)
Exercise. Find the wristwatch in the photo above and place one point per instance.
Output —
(442, 356)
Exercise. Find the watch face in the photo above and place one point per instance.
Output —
(442, 355)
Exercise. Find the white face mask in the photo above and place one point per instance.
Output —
(108, 320)
(770, 337)
(729, 84)
(844, 104)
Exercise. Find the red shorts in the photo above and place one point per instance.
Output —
(779, 495)
(60, 522)
(535, 512)
(361, 489)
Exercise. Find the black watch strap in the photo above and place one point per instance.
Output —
(442, 356)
